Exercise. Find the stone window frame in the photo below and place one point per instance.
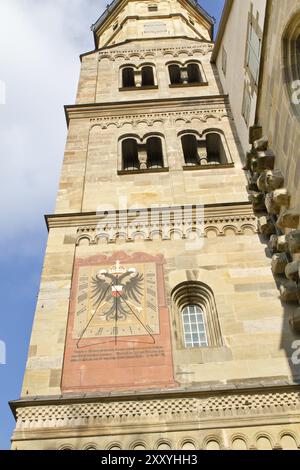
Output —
(291, 61)
(200, 294)
(200, 137)
(137, 70)
(142, 142)
(253, 22)
(183, 73)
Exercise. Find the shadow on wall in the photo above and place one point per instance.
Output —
(278, 227)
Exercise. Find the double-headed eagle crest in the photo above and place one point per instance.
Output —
(117, 292)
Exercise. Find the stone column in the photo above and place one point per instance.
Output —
(138, 78)
(142, 156)
(184, 75)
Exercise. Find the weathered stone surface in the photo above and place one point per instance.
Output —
(282, 244)
(255, 133)
(292, 271)
(295, 321)
(279, 263)
(276, 199)
(270, 180)
(281, 197)
(289, 291)
(261, 145)
(293, 241)
(249, 156)
(274, 180)
(262, 182)
(273, 243)
(288, 219)
(266, 226)
(271, 205)
(263, 161)
(252, 186)
(258, 201)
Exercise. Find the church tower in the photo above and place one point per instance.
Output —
(158, 323)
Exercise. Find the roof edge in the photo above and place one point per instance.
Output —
(225, 15)
(110, 8)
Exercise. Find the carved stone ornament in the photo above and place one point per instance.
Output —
(288, 219)
(292, 271)
(293, 241)
(266, 226)
(277, 199)
(263, 161)
(261, 145)
(289, 291)
(279, 263)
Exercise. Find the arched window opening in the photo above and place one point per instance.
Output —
(196, 315)
(194, 74)
(128, 80)
(190, 150)
(130, 155)
(147, 76)
(194, 327)
(154, 153)
(175, 75)
(291, 58)
(215, 150)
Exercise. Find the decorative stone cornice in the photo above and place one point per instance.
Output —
(200, 108)
(150, 119)
(159, 222)
(269, 405)
(202, 49)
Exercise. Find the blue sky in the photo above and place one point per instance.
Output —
(41, 41)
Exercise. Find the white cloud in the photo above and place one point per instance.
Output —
(40, 43)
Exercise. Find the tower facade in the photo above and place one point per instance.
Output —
(158, 322)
